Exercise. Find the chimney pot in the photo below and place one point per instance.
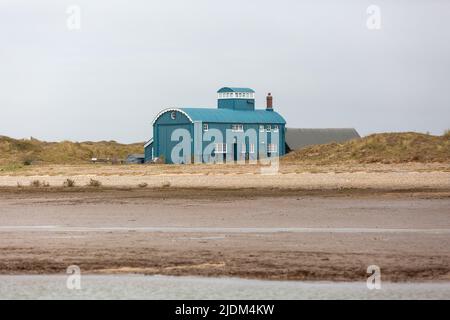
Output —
(269, 102)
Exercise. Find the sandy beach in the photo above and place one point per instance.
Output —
(302, 223)
(264, 233)
(369, 176)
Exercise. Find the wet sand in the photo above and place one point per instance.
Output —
(117, 287)
(253, 233)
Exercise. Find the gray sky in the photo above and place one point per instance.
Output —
(130, 59)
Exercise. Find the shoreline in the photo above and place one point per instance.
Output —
(196, 192)
(212, 277)
(393, 223)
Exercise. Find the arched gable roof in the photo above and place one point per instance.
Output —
(227, 115)
(170, 110)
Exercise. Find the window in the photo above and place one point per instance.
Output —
(272, 148)
(237, 127)
(205, 127)
(268, 128)
(173, 115)
(252, 148)
(221, 148)
(275, 128)
(261, 128)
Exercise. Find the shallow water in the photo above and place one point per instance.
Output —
(221, 230)
(163, 287)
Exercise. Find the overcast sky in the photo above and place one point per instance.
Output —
(130, 59)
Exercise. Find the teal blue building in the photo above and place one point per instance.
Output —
(234, 131)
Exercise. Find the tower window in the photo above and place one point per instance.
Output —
(173, 115)
(205, 127)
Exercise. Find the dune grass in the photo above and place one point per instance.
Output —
(17, 153)
(378, 148)
(386, 148)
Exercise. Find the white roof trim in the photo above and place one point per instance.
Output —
(170, 110)
(149, 142)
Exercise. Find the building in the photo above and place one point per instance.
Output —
(234, 131)
(300, 138)
(135, 158)
(148, 151)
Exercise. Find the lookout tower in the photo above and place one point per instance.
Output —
(236, 99)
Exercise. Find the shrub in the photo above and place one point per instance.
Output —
(69, 183)
(447, 133)
(38, 184)
(35, 183)
(94, 183)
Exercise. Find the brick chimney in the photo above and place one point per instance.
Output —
(269, 102)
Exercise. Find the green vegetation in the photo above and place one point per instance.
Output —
(12, 167)
(94, 183)
(447, 134)
(69, 183)
(378, 148)
(17, 153)
(38, 184)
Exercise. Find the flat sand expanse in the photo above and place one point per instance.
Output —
(264, 233)
(373, 176)
(319, 181)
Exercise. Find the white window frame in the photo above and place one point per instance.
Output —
(205, 127)
(220, 148)
(261, 128)
(252, 148)
(237, 127)
(276, 128)
(272, 148)
(236, 95)
(268, 128)
(244, 148)
(173, 115)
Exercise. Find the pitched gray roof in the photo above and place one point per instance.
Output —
(300, 138)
